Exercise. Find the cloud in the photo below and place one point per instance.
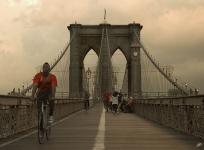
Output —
(35, 31)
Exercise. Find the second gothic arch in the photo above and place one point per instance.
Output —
(87, 37)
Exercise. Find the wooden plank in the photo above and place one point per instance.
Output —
(122, 132)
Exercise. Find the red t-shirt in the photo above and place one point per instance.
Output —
(107, 96)
(45, 83)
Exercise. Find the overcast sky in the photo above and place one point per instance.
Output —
(34, 31)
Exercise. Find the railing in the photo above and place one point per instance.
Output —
(19, 114)
(163, 94)
(185, 114)
(154, 94)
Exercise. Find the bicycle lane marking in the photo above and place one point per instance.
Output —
(99, 140)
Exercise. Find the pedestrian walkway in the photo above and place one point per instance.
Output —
(98, 130)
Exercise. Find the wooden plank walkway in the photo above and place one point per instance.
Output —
(100, 130)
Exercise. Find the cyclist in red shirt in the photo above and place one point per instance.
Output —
(44, 87)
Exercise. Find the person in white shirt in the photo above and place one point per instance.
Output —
(115, 102)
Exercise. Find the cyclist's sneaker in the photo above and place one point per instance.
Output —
(51, 119)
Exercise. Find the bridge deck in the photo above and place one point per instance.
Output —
(99, 130)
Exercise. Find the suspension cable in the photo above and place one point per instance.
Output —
(54, 64)
(157, 66)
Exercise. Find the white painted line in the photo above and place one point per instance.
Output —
(199, 144)
(99, 140)
(31, 133)
(17, 139)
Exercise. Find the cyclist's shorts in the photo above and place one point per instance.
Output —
(43, 96)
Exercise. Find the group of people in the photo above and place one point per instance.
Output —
(44, 87)
(117, 101)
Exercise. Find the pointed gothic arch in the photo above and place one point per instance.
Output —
(86, 37)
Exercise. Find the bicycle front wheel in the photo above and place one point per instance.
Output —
(48, 132)
(40, 128)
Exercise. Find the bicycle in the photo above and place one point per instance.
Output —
(86, 105)
(44, 127)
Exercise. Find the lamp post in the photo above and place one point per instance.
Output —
(135, 69)
(186, 85)
(88, 75)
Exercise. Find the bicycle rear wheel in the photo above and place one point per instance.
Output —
(48, 125)
(40, 128)
(86, 106)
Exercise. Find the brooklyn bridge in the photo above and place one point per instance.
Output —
(166, 112)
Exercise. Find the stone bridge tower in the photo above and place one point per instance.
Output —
(87, 37)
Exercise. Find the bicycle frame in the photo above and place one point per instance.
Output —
(44, 127)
